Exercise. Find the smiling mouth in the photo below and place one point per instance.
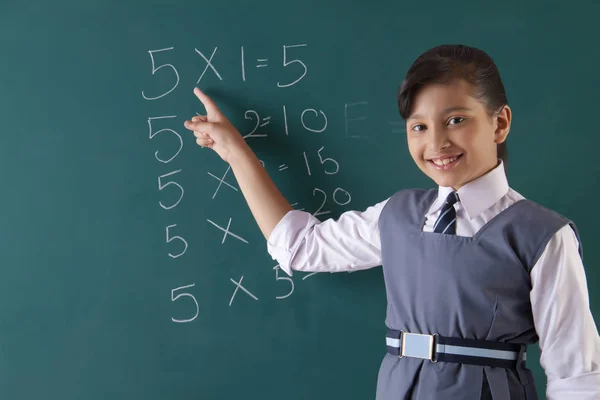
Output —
(445, 163)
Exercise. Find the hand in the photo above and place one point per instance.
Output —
(214, 130)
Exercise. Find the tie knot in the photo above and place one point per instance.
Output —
(452, 198)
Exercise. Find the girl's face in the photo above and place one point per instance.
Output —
(451, 136)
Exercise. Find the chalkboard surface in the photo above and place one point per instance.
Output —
(131, 267)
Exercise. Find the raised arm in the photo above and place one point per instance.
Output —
(301, 242)
(213, 130)
(296, 239)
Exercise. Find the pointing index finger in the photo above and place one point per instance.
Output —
(210, 106)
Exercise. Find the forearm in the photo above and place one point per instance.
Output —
(267, 204)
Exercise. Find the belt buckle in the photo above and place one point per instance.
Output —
(421, 346)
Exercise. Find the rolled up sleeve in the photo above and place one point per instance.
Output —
(302, 242)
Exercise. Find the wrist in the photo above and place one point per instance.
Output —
(240, 154)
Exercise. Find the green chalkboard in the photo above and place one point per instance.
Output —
(131, 267)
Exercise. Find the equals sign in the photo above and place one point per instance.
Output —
(266, 121)
(283, 167)
(397, 126)
(262, 60)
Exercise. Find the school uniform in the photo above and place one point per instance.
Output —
(463, 304)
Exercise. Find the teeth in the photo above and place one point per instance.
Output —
(445, 161)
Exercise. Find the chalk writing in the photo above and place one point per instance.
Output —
(208, 64)
(156, 69)
(185, 294)
(290, 58)
(283, 278)
(226, 230)
(167, 180)
(238, 285)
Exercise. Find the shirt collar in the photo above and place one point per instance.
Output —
(477, 195)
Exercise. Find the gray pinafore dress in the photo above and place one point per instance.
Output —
(461, 287)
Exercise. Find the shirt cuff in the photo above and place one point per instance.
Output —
(287, 236)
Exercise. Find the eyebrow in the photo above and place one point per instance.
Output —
(446, 111)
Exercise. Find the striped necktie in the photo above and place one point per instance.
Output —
(446, 222)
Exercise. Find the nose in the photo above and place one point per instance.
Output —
(438, 139)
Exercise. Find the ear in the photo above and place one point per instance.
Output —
(502, 121)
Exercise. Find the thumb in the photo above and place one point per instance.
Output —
(201, 118)
(202, 128)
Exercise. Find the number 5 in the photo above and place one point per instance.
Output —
(323, 161)
(161, 187)
(152, 135)
(154, 69)
(286, 63)
(174, 298)
(285, 278)
(176, 237)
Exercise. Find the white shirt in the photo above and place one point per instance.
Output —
(568, 337)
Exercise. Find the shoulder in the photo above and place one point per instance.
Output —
(564, 240)
(538, 226)
(534, 211)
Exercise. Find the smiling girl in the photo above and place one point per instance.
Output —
(474, 272)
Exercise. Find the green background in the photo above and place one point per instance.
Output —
(86, 284)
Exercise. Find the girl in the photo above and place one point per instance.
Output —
(473, 271)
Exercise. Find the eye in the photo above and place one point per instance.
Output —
(455, 120)
(418, 127)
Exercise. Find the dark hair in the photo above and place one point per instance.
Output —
(445, 63)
